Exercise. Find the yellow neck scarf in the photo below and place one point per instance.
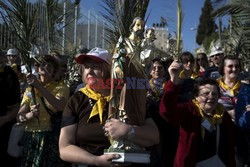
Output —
(157, 90)
(99, 105)
(216, 119)
(234, 90)
(182, 75)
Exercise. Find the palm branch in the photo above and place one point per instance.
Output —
(239, 33)
(119, 15)
(179, 28)
(21, 23)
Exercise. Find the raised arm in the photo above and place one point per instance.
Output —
(57, 102)
(168, 102)
(170, 110)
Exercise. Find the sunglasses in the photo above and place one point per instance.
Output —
(217, 55)
(185, 61)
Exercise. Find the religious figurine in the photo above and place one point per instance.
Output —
(148, 47)
(128, 103)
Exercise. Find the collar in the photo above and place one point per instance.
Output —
(234, 90)
(214, 120)
(182, 75)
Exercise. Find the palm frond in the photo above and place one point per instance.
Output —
(231, 9)
(238, 37)
(119, 15)
(179, 28)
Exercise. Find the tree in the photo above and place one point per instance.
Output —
(207, 25)
(119, 15)
(238, 35)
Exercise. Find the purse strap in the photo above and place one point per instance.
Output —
(45, 106)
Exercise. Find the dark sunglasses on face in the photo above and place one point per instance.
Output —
(185, 61)
(217, 55)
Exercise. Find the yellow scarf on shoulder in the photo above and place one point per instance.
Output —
(234, 90)
(183, 76)
(216, 119)
(99, 105)
(157, 90)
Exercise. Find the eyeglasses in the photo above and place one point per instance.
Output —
(206, 94)
(217, 55)
(233, 66)
(12, 55)
(185, 61)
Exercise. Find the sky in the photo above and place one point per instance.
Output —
(167, 9)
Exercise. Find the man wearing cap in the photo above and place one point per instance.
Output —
(216, 56)
(12, 56)
(9, 105)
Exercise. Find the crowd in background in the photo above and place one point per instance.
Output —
(196, 111)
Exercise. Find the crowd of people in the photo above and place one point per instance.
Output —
(193, 110)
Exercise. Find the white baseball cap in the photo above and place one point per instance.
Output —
(216, 50)
(12, 52)
(96, 54)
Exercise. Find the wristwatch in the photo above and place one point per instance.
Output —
(131, 133)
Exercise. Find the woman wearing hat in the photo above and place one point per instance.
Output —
(84, 132)
(39, 141)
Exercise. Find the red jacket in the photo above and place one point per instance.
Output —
(187, 116)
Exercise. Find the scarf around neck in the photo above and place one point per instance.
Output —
(100, 102)
(214, 120)
(233, 91)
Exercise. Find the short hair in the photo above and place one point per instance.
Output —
(133, 23)
(161, 61)
(203, 82)
(228, 57)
